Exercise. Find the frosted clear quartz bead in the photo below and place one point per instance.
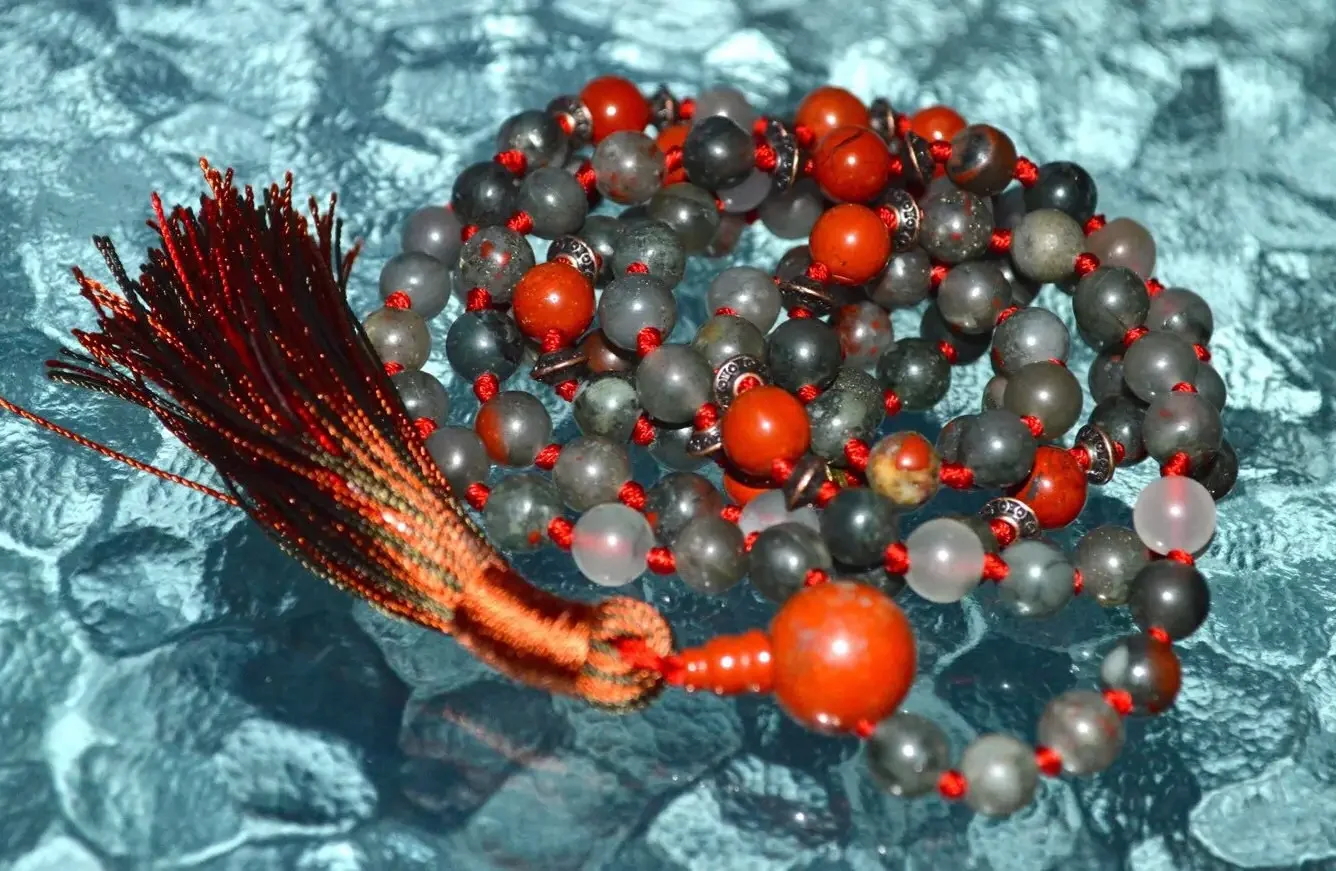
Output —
(769, 509)
(610, 543)
(945, 560)
(1174, 513)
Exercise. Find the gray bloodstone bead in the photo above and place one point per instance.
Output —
(1122, 419)
(669, 448)
(782, 555)
(1107, 303)
(994, 392)
(1124, 242)
(957, 225)
(983, 159)
(1210, 386)
(521, 421)
(633, 302)
(600, 232)
(794, 262)
(1002, 775)
(423, 278)
(998, 448)
(484, 341)
(518, 511)
(422, 395)
(673, 382)
(791, 214)
(628, 167)
(857, 525)
(1170, 595)
(969, 346)
(1047, 391)
(654, 244)
(399, 336)
(434, 231)
(1179, 311)
(907, 754)
(1085, 731)
(1031, 335)
(690, 211)
(852, 407)
(484, 194)
(538, 135)
(1156, 362)
(1106, 376)
(710, 555)
(1039, 581)
(555, 201)
(747, 194)
(723, 337)
(607, 406)
(750, 292)
(1023, 290)
(1146, 669)
(804, 351)
(717, 153)
(865, 333)
(590, 471)
(1009, 208)
(495, 259)
(1066, 187)
(1044, 245)
(1109, 557)
(677, 499)
(972, 295)
(905, 282)
(1219, 474)
(460, 455)
(727, 102)
(917, 371)
(1182, 422)
(952, 435)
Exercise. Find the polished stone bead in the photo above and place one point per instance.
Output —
(519, 510)
(917, 371)
(746, 195)
(1171, 596)
(607, 406)
(972, 295)
(1084, 730)
(1064, 186)
(484, 341)
(1179, 311)
(994, 392)
(537, 135)
(1182, 423)
(610, 544)
(422, 395)
(968, 346)
(460, 455)
(717, 153)
(1107, 303)
(1009, 208)
(1044, 245)
(950, 438)
(750, 292)
(1174, 513)
(804, 351)
(398, 336)
(791, 214)
(1023, 290)
(591, 470)
(907, 754)
(495, 259)
(957, 225)
(793, 263)
(1031, 335)
(434, 231)
(485, 194)
(602, 356)
(1146, 669)
(904, 468)
(983, 160)
(710, 555)
(723, 337)
(1219, 474)
(1056, 488)
(677, 499)
(727, 237)
(654, 244)
(1040, 579)
(1047, 391)
(669, 448)
(1124, 242)
(946, 560)
(673, 382)
(600, 232)
(858, 524)
(865, 333)
(998, 448)
(1106, 376)
(423, 278)
(850, 408)
(727, 102)
(629, 167)
(1210, 386)
(781, 557)
(770, 508)
(632, 303)
(1109, 557)
(514, 427)
(906, 281)
(1002, 775)
(690, 211)
(554, 200)
(1156, 362)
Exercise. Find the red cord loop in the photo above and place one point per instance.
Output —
(994, 567)
(513, 160)
(393, 368)
(1177, 465)
(1034, 424)
(476, 495)
(1000, 241)
(661, 561)
(1026, 172)
(888, 217)
(643, 432)
(1094, 224)
(485, 386)
(399, 300)
(956, 476)
(815, 577)
(477, 300)
(1154, 286)
(807, 393)
(938, 274)
(1006, 313)
(1004, 532)
(467, 232)
(1086, 263)
(637, 268)
(521, 222)
(1119, 700)
(948, 351)
(562, 532)
(1184, 387)
(1132, 335)
(940, 150)
(1203, 353)
(766, 159)
(818, 272)
(553, 340)
(632, 495)
(425, 426)
(648, 339)
(1181, 556)
(706, 416)
(1081, 454)
(856, 453)
(892, 402)
(1048, 761)
(588, 180)
(567, 390)
(1078, 582)
(951, 785)
(896, 559)
(547, 457)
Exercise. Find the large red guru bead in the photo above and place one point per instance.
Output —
(1056, 488)
(843, 655)
(762, 425)
(829, 107)
(852, 164)
(616, 104)
(852, 242)
(553, 296)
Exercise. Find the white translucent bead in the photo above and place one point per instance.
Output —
(610, 543)
(768, 509)
(1174, 513)
(945, 560)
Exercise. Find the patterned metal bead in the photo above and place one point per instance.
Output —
(706, 442)
(917, 156)
(808, 293)
(1015, 512)
(576, 252)
(908, 217)
(1103, 460)
(730, 373)
(581, 119)
(554, 367)
(881, 118)
(801, 487)
(788, 159)
(664, 108)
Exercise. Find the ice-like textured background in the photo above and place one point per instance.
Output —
(174, 694)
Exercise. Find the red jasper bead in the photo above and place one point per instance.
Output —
(829, 107)
(852, 241)
(1056, 488)
(763, 425)
(675, 135)
(616, 104)
(937, 122)
(843, 655)
(553, 296)
(852, 164)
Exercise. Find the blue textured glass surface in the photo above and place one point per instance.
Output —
(175, 693)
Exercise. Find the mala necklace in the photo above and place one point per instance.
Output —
(238, 337)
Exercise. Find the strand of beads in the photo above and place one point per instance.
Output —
(897, 212)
